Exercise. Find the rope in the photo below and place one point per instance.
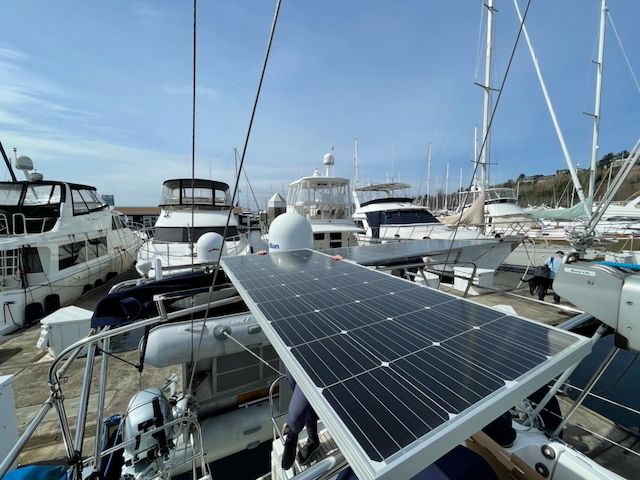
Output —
(235, 190)
(624, 54)
(228, 335)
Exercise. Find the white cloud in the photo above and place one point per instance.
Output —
(201, 91)
(11, 53)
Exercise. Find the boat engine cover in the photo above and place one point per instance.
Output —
(147, 410)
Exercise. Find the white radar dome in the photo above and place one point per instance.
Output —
(290, 231)
(328, 159)
(24, 163)
(208, 247)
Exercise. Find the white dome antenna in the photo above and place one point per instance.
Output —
(290, 231)
(329, 161)
(25, 164)
(208, 247)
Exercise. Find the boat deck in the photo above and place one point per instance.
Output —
(20, 357)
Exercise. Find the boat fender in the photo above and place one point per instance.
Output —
(51, 303)
(221, 332)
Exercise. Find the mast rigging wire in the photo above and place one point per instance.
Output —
(624, 53)
(235, 189)
(484, 140)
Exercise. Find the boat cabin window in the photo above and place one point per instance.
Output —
(86, 200)
(404, 217)
(8, 263)
(71, 254)
(31, 258)
(118, 222)
(318, 236)
(10, 194)
(97, 247)
(182, 234)
(42, 194)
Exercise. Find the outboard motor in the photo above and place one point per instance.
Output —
(586, 284)
(148, 409)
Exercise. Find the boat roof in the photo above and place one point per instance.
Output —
(197, 183)
(383, 187)
(321, 179)
(78, 186)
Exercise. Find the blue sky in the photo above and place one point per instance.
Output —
(100, 92)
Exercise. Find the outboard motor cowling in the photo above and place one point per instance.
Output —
(148, 409)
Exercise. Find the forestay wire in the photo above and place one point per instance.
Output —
(235, 189)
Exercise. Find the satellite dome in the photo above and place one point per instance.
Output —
(208, 247)
(290, 231)
(328, 159)
(24, 163)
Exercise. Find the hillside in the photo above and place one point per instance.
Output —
(558, 190)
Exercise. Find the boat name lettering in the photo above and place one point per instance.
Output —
(579, 271)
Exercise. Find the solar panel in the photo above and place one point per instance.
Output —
(393, 253)
(398, 373)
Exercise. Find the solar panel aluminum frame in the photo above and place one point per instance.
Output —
(413, 458)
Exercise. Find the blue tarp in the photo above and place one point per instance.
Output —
(34, 472)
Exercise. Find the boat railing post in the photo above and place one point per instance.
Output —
(84, 399)
(97, 459)
(11, 457)
(276, 431)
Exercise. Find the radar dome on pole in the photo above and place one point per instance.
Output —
(290, 231)
(329, 161)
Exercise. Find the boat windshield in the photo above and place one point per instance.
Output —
(406, 217)
(183, 234)
(182, 192)
(35, 194)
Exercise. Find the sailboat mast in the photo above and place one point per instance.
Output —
(446, 188)
(484, 158)
(355, 163)
(596, 108)
(429, 176)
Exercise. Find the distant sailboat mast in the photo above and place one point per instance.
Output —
(484, 158)
(596, 108)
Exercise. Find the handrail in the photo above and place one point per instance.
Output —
(67, 356)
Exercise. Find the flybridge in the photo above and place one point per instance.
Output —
(183, 192)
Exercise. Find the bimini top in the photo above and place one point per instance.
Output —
(205, 193)
(400, 374)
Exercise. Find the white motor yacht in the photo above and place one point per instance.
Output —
(387, 216)
(324, 200)
(186, 215)
(57, 241)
